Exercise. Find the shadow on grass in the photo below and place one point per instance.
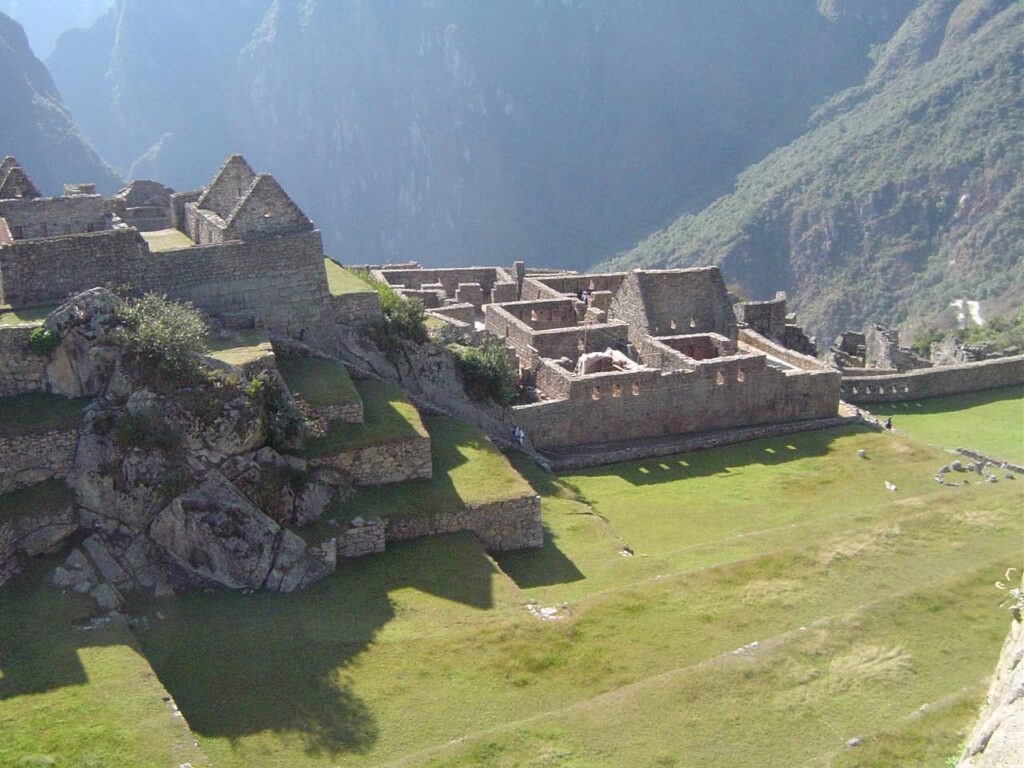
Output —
(938, 405)
(722, 460)
(539, 568)
(238, 665)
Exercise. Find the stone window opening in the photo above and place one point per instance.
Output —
(741, 375)
(533, 315)
(693, 322)
(672, 325)
(855, 390)
(266, 213)
(893, 389)
(595, 392)
(636, 388)
(616, 390)
(906, 389)
(719, 378)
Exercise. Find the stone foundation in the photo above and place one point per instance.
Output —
(394, 462)
(29, 459)
(20, 370)
(503, 525)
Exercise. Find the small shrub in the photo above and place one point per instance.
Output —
(286, 426)
(486, 371)
(42, 341)
(163, 335)
(174, 484)
(146, 431)
(404, 319)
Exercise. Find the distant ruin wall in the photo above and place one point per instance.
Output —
(29, 459)
(756, 341)
(935, 382)
(55, 216)
(503, 525)
(20, 369)
(717, 394)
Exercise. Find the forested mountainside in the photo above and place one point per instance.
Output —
(905, 194)
(459, 131)
(35, 126)
(45, 20)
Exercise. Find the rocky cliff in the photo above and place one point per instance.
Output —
(905, 195)
(35, 126)
(464, 132)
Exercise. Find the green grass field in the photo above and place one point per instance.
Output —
(36, 412)
(240, 347)
(318, 381)
(387, 416)
(10, 316)
(341, 281)
(991, 422)
(167, 240)
(864, 606)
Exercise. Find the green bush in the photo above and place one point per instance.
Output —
(486, 371)
(146, 431)
(43, 341)
(286, 426)
(404, 319)
(163, 335)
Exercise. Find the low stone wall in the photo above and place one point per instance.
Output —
(33, 534)
(29, 459)
(760, 343)
(503, 525)
(356, 308)
(393, 462)
(935, 382)
(998, 736)
(20, 369)
(364, 537)
(349, 413)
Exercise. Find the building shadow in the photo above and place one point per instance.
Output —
(239, 664)
(539, 568)
(718, 461)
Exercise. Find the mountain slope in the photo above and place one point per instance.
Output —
(45, 20)
(34, 125)
(905, 194)
(454, 131)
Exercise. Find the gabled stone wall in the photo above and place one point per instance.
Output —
(935, 382)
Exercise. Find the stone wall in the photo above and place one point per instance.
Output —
(393, 462)
(997, 740)
(281, 279)
(356, 308)
(29, 459)
(55, 216)
(935, 382)
(574, 284)
(722, 393)
(756, 341)
(767, 318)
(503, 525)
(32, 534)
(450, 279)
(20, 369)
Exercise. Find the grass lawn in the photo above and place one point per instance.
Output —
(36, 412)
(167, 240)
(76, 697)
(240, 347)
(991, 422)
(318, 381)
(387, 417)
(864, 605)
(10, 316)
(341, 280)
(48, 496)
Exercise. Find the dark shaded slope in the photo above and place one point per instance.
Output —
(905, 195)
(457, 131)
(34, 125)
